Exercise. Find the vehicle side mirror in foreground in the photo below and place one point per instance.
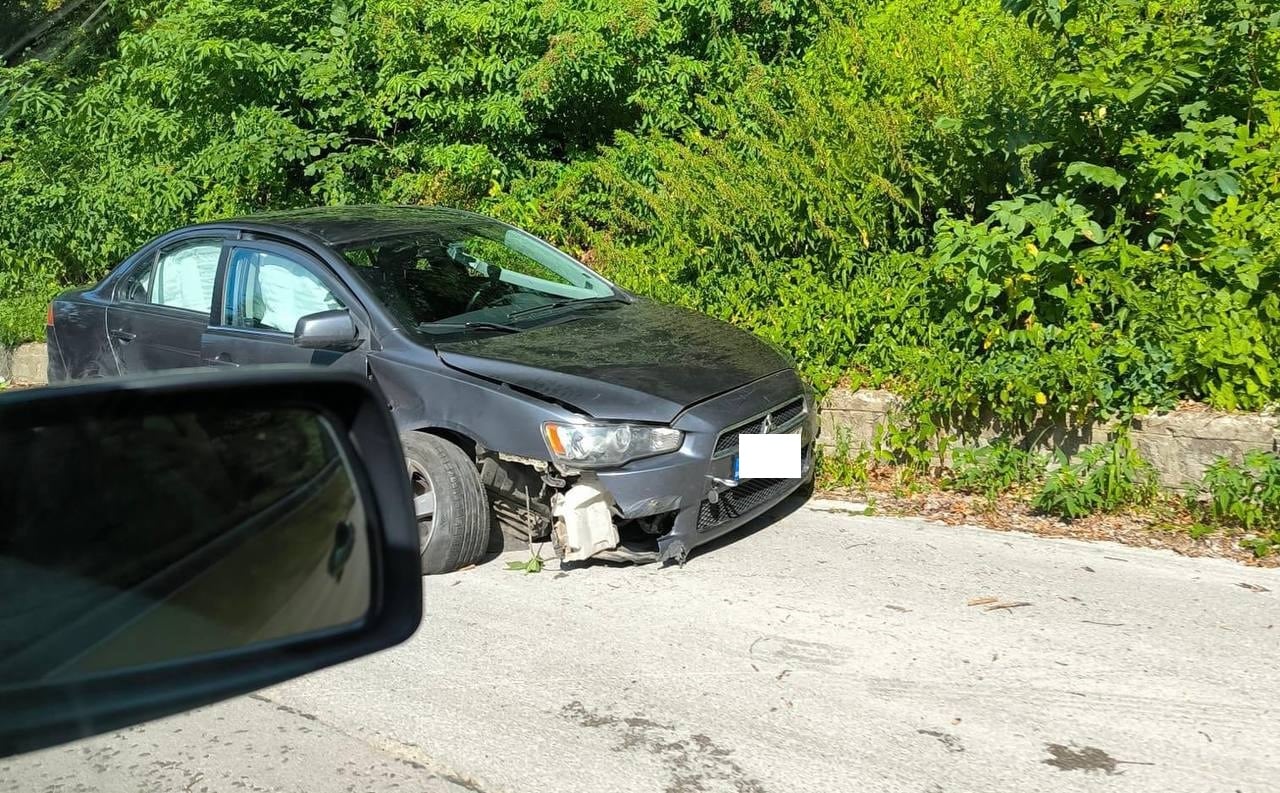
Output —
(173, 541)
(327, 330)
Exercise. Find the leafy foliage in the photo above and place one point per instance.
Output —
(841, 466)
(994, 469)
(1244, 496)
(999, 220)
(533, 564)
(170, 112)
(1043, 208)
(1105, 478)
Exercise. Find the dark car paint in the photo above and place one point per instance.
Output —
(423, 392)
(222, 345)
(82, 320)
(149, 338)
(337, 227)
(644, 362)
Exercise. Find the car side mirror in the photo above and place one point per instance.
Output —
(327, 330)
(174, 541)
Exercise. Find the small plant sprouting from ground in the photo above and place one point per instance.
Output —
(994, 469)
(1198, 531)
(1244, 497)
(841, 467)
(533, 564)
(1105, 478)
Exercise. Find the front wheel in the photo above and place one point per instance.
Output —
(449, 502)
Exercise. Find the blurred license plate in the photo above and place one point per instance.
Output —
(774, 456)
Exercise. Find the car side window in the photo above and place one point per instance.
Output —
(136, 286)
(177, 277)
(268, 291)
(184, 276)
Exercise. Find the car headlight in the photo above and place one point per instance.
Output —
(597, 445)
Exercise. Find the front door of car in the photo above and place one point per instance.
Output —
(266, 288)
(161, 307)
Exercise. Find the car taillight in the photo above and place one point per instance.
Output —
(48, 317)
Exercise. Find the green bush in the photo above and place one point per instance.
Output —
(993, 469)
(998, 219)
(1245, 497)
(168, 112)
(1045, 207)
(1105, 478)
(798, 212)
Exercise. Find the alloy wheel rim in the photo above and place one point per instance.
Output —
(424, 500)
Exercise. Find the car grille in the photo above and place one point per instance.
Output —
(778, 417)
(744, 499)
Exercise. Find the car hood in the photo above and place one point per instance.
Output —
(641, 362)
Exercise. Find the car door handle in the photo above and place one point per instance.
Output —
(223, 359)
(123, 336)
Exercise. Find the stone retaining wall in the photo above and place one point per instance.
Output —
(1180, 444)
(26, 364)
(1183, 443)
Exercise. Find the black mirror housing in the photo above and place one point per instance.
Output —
(327, 330)
(90, 673)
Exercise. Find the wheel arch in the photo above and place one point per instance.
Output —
(458, 438)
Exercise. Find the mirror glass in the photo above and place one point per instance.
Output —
(129, 540)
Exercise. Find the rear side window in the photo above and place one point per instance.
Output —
(184, 276)
(136, 287)
(267, 291)
(179, 277)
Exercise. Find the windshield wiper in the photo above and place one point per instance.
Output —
(576, 301)
(471, 326)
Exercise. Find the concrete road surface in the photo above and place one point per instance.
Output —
(822, 652)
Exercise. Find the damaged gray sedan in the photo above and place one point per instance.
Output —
(534, 397)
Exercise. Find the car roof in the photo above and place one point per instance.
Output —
(339, 226)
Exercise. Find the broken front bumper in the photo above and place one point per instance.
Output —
(696, 482)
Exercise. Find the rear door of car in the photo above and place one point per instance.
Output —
(162, 305)
(264, 289)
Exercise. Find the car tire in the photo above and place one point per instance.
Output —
(457, 533)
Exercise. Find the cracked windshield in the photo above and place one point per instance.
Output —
(670, 396)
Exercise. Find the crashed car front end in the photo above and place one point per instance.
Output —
(612, 433)
(662, 505)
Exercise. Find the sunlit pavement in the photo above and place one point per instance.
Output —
(822, 651)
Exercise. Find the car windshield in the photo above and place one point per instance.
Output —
(448, 276)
